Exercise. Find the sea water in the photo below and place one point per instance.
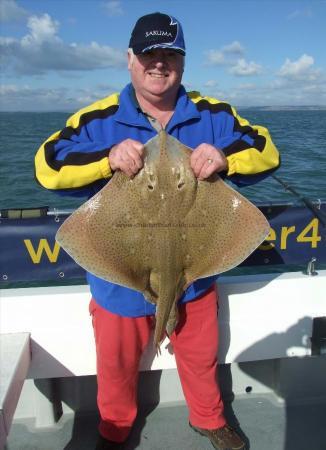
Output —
(300, 136)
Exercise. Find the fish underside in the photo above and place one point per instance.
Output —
(160, 231)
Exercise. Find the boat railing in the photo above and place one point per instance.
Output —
(297, 237)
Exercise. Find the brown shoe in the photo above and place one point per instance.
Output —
(224, 438)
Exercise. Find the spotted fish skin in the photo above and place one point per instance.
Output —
(160, 231)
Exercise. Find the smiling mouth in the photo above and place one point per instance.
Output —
(158, 75)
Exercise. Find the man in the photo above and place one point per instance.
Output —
(109, 135)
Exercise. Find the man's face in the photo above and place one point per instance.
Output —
(156, 74)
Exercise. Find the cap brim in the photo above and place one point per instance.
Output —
(138, 49)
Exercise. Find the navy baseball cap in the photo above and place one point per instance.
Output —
(157, 30)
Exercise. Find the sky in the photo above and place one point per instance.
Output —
(61, 55)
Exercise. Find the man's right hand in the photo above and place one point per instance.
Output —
(127, 156)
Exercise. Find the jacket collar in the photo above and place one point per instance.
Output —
(129, 112)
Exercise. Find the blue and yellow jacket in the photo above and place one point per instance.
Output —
(75, 161)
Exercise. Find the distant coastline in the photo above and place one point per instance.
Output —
(285, 108)
(248, 108)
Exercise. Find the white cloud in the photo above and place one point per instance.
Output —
(10, 11)
(225, 55)
(26, 98)
(244, 68)
(215, 57)
(8, 89)
(264, 95)
(189, 86)
(305, 13)
(42, 50)
(301, 69)
(278, 92)
(106, 87)
(315, 88)
(234, 48)
(304, 84)
(211, 83)
(42, 29)
(246, 86)
(231, 55)
(113, 8)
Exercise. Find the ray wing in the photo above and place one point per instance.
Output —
(222, 229)
(105, 236)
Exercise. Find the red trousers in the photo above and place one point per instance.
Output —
(120, 342)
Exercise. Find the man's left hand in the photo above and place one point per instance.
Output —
(207, 159)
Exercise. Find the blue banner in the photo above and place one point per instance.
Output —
(29, 251)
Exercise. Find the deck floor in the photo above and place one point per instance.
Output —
(266, 424)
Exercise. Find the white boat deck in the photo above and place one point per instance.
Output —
(265, 352)
(15, 360)
(262, 420)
